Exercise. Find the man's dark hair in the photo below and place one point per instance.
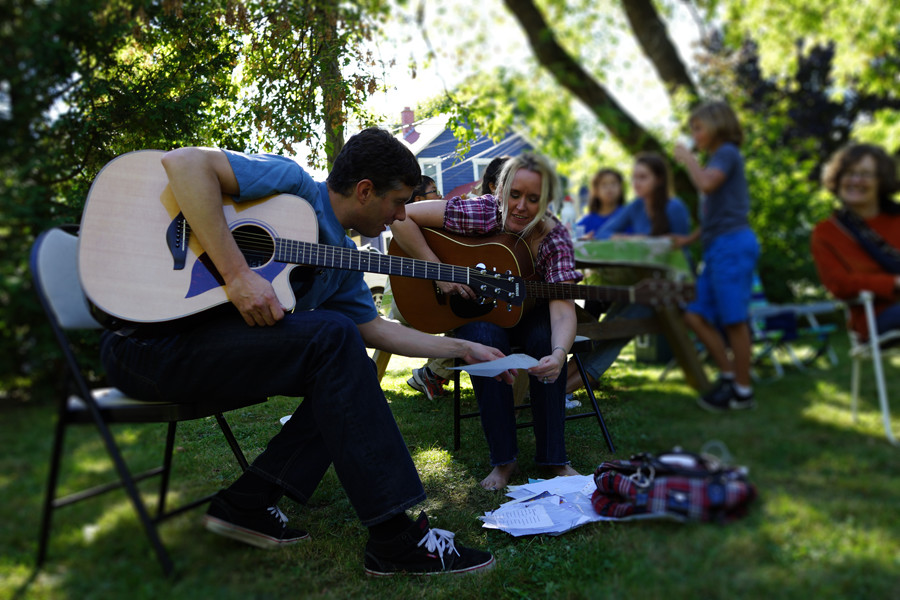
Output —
(376, 155)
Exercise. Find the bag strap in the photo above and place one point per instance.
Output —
(875, 246)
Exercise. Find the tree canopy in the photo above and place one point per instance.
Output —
(82, 82)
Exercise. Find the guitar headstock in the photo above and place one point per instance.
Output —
(658, 291)
(501, 286)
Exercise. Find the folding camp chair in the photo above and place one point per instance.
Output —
(785, 327)
(54, 268)
(875, 347)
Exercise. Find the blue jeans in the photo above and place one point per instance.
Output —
(598, 361)
(495, 398)
(344, 418)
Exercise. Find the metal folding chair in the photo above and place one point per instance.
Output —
(54, 268)
(874, 348)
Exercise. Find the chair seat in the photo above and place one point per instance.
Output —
(117, 407)
(885, 341)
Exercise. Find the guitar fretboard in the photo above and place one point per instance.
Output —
(322, 255)
(562, 291)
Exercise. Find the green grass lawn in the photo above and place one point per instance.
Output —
(825, 524)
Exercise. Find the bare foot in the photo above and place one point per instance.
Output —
(499, 477)
(562, 470)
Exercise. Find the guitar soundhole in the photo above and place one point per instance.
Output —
(255, 243)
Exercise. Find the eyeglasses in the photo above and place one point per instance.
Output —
(864, 175)
(435, 192)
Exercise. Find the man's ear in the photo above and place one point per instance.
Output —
(365, 190)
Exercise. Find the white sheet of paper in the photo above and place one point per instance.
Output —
(527, 517)
(495, 367)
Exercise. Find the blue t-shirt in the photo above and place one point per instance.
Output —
(632, 218)
(260, 175)
(591, 222)
(726, 209)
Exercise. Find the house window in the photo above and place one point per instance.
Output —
(432, 168)
(479, 165)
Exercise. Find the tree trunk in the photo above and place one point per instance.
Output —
(572, 76)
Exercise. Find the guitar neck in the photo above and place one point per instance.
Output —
(563, 291)
(506, 287)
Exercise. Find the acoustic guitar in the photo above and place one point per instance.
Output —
(139, 263)
(425, 308)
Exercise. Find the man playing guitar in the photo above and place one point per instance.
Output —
(317, 351)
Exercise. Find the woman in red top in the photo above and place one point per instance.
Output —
(858, 247)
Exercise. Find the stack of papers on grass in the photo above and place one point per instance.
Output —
(551, 506)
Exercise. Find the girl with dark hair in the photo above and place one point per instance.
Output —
(607, 197)
(654, 212)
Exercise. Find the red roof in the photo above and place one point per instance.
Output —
(461, 190)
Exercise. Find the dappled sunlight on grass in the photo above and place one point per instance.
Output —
(829, 542)
(824, 524)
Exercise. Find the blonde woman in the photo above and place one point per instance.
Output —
(526, 186)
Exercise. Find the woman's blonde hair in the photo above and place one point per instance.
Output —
(550, 186)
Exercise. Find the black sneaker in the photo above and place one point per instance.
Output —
(718, 397)
(741, 402)
(421, 550)
(264, 528)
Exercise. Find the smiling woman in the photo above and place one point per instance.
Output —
(858, 247)
(525, 187)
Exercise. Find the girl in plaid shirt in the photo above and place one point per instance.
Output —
(526, 186)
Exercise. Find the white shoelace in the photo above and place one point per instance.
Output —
(439, 541)
(276, 512)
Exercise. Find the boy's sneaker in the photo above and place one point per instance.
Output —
(571, 402)
(722, 396)
(264, 527)
(741, 402)
(718, 397)
(421, 550)
(423, 380)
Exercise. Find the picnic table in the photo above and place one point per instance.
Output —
(626, 261)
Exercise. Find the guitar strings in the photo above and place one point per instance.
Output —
(265, 245)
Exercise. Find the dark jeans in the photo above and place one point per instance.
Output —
(344, 418)
(495, 398)
(888, 319)
(598, 361)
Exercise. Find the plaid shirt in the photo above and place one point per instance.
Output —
(555, 261)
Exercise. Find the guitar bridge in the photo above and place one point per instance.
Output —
(177, 241)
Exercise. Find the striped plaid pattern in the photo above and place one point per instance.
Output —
(720, 495)
(555, 260)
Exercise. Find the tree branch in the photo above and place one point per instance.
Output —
(653, 36)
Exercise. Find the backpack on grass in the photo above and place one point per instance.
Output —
(678, 485)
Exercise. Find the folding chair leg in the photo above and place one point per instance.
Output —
(52, 479)
(590, 392)
(456, 412)
(128, 483)
(166, 470)
(232, 442)
(882, 393)
(854, 389)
